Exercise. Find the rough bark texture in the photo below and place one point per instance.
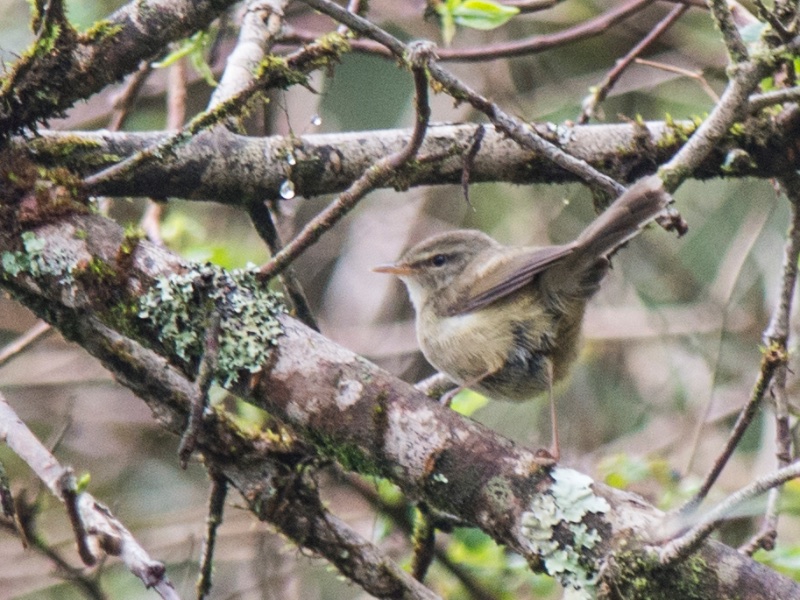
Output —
(370, 422)
(231, 168)
(64, 66)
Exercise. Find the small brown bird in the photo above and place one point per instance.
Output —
(506, 321)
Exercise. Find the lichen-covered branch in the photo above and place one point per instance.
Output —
(589, 536)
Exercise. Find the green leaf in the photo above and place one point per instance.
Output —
(445, 12)
(482, 14)
(467, 402)
(193, 47)
(83, 483)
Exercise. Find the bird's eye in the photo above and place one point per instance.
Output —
(438, 260)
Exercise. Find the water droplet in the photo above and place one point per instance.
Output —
(565, 201)
(287, 190)
(290, 159)
(316, 120)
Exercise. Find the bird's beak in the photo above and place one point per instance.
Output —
(398, 269)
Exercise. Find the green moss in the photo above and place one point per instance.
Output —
(278, 71)
(347, 454)
(133, 235)
(100, 270)
(99, 31)
(676, 133)
(334, 43)
(638, 575)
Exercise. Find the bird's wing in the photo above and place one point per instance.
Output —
(515, 273)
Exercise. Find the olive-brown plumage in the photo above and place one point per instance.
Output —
(506, 321)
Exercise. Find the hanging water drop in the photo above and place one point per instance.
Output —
(290, 159)
(316, 120)
(287, 190)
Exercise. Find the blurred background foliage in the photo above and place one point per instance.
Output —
(672, 339)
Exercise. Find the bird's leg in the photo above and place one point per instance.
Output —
(555, 451)
(447, 397)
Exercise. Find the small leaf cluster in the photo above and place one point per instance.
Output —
(178, 308)
(475, 14)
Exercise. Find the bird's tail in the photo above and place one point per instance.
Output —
(624, 219)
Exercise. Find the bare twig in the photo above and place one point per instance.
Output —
(773, 360)
(205, 376)
(520, 132)
(216, 507)
(264, 223)
(524, 47)
(769, 363)
(94, 521)
(124, 102)
(681, 547)
(777, 335)
(759, 101)
(176, 115)
(696, 75)
(732, 106)
(307, 59)
(24, 528)
(372, 177)
(11, 349)
(721, 11)
(602, 89)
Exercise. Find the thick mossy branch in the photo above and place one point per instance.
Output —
(169, 311)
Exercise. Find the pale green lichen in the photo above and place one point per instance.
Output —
(33, 260)
(178, 307)
(566, 503)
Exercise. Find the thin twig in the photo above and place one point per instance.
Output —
(205, 377)
(176, 115)
(264, 223)
(769, 363)
(604, 87)
(124, 102)
(94, 519)
(760, 101)
(681, 547)
(721, 11)
(774, 358)
(372, 177)
(520, 132)
(305, 60)
(216, 507)
(19, 344)
(696, 75)
(25, 528)
(777, 335)
(524, 47)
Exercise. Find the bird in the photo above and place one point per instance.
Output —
(505, 321)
